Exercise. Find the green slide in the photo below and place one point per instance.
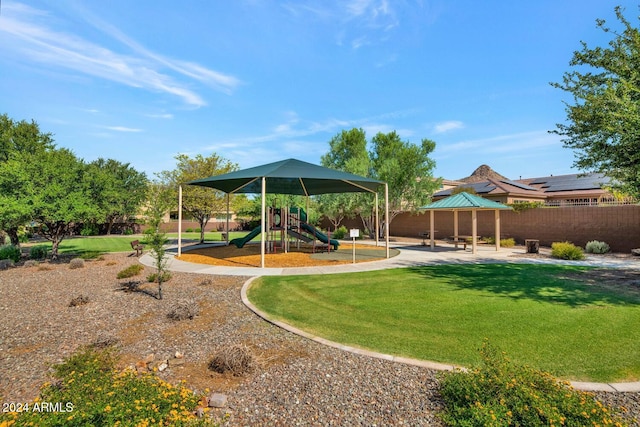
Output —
(241, 241)
(320, 235)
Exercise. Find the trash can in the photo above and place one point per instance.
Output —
(532, 245)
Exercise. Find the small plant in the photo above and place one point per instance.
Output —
(153, 277)
(183, 309)
(38, 252)
(76, 263)
(339, 233)
(205, 282)
(79, 300)
(237, 360)
(132, 270)
(566, 250)
(6, 263)
(507, 243)
(501, 393)
(596, 247)
(10, 252)
(189, 230)
(31, 263)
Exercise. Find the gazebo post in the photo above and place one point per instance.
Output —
(377, 220)
(455, 225)
(474, 230)
(386, 215)
(432, 228)
(227, 228)
(263, 219)
(497, 216)
(179, 220)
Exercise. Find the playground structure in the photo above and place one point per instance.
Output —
(285, 223)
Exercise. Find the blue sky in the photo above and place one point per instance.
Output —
(259, 81)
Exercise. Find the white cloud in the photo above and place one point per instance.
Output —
(122, 129)
(142, 68)
(448, 126)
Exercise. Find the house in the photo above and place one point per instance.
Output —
(560, 190)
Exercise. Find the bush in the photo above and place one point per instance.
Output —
(94, 392)
(596, 247)
(38, 252)
(339, 233)
(184, 309)
(31, 263)
(10, 252)
(501, 393)
(566, 250)
(236, 359)
(130, 271)
(89, 230)
(153, 277)
(79, 300)
(507, 243)
(76, 263)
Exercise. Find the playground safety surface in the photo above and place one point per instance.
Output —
(249, 256)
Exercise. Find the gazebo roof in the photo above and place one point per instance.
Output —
(465, 201)
(290, 176)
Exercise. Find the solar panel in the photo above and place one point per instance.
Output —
(519, 185)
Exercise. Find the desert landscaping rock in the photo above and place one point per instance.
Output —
(295, 381)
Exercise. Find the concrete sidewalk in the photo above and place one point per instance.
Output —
(410, 255)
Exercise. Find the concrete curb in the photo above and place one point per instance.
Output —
(631, 387)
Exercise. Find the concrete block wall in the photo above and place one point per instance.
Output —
(619, 226)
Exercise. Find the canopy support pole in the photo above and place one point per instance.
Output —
(227, 228)
(386, 215)
(179, 220)
(263, 220)
(432, 229)
(497, 229)
(474, 231)
(455, 226)
(377, 220)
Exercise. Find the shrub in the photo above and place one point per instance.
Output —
(189, 230)
(507, 243)
(237, 359)
(130, 271)
(501, 393)
(79, 300)
(340, 232)
(31, 263)
(76, 263)
(183, 309)
(10, 252)
(38, 252)
(89, 230)
(596, 247)
(6, 263)
(153, 277)
(566, 250)
(99, 394)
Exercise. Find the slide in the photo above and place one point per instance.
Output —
(320, 235)
(241, 241)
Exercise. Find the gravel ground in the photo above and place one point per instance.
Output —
(296, 382)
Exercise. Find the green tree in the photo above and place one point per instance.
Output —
(407, 169)
(120, 188)
(348, 153)
(17, 139)
(159, 200)
(603, 123)
(201, 203)
(58, 194)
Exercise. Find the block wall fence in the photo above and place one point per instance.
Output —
(619, 226)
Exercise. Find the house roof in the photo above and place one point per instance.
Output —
(290, 176)
(573, 182)
(465, 201)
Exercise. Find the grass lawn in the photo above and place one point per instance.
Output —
(548, 317)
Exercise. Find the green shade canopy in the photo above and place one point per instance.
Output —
(465, 201)
(290, 176)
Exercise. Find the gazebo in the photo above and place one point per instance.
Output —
(466, 202)
(296, 177)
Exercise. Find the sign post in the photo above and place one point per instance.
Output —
(354, 233)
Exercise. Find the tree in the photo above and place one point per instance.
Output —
(58, 194)
(17, 139)
(407, 169)
(120, 188)
(603, 124)
(348, 153)
(160, 199)
(200, 202)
